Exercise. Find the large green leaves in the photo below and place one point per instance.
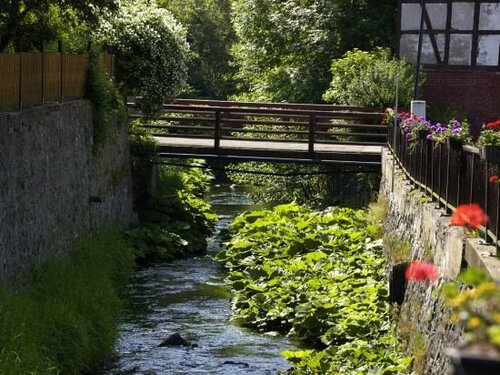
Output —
(316, 276)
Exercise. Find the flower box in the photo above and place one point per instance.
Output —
(490, 154)
(474, 359)
(454, 144)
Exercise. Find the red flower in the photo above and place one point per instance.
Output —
(471, 216)
(494, 179)
(494, 125)
(420, 271)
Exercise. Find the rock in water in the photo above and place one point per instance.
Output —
(175, 339)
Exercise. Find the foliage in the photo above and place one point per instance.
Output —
(490, 134)
(454, 130)
(28, 21)
(413, 125)
(141, 142)
(369, 79)
(284, 49)
(176, 220)
(281, 188)
(317, 276)
(210, 36)
(67, 321)
(151, 49)
(476, 305)
(107, 103)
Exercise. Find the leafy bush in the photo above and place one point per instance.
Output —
(141, 141)
(151, 49)
(316, 276)
(177, 219)
(369, 79)
(67, 321)
(107, 102)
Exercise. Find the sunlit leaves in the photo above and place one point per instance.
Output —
(316, 276)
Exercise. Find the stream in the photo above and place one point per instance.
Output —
(188, 296)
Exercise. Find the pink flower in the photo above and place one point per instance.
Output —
(420, 271)
(470, 216)
(494, 179)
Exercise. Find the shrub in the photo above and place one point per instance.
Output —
(106, 100)
(369, 79)
(152, 52)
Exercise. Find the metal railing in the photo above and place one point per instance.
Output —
(451, 174)
(33, 78)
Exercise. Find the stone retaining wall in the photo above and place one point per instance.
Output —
(423, 320)
(54, 188)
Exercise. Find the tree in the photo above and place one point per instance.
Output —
(369, 78)
(151, 50)
(210, 36)
(284, 48)
(29, 21)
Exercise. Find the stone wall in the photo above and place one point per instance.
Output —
(423, 320)
(54, 188)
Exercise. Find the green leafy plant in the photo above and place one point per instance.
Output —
(318, 277)
(151, 49)
(490, 134)
(141, 141)
(176, 220)
(107, 102)
(475, 301)
(369, 79)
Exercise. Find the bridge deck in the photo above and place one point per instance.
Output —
(293, 151)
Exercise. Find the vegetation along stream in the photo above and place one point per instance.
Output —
(188, 297)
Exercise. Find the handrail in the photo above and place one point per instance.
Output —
(219, 120)
(451, 175)
(306, 106)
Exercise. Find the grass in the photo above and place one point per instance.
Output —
(67, 322)
(376, 215)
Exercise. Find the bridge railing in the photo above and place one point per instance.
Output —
(276, 122)
(451, 174)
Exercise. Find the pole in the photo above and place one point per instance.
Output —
(419, 49)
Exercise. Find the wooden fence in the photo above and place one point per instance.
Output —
(33, 78)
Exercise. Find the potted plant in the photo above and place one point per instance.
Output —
(489, 142)
(415, 127)
(475, 303)
(454, 134)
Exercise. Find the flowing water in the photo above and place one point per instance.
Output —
(188, 296)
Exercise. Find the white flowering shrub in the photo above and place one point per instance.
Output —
(151, 50)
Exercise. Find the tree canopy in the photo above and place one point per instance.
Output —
(30, 21)
(210, 36)
(285, 48)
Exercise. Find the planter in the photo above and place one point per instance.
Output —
(490, 154)
(454, 144)
(474, 359)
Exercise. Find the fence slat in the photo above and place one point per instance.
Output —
(33, 78)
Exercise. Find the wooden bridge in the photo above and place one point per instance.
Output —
(279, 132)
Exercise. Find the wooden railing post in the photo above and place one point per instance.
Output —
(61, 75)
(217, 130)
(312, 131)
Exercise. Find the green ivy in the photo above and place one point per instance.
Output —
(107, 102)
(318, 277)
